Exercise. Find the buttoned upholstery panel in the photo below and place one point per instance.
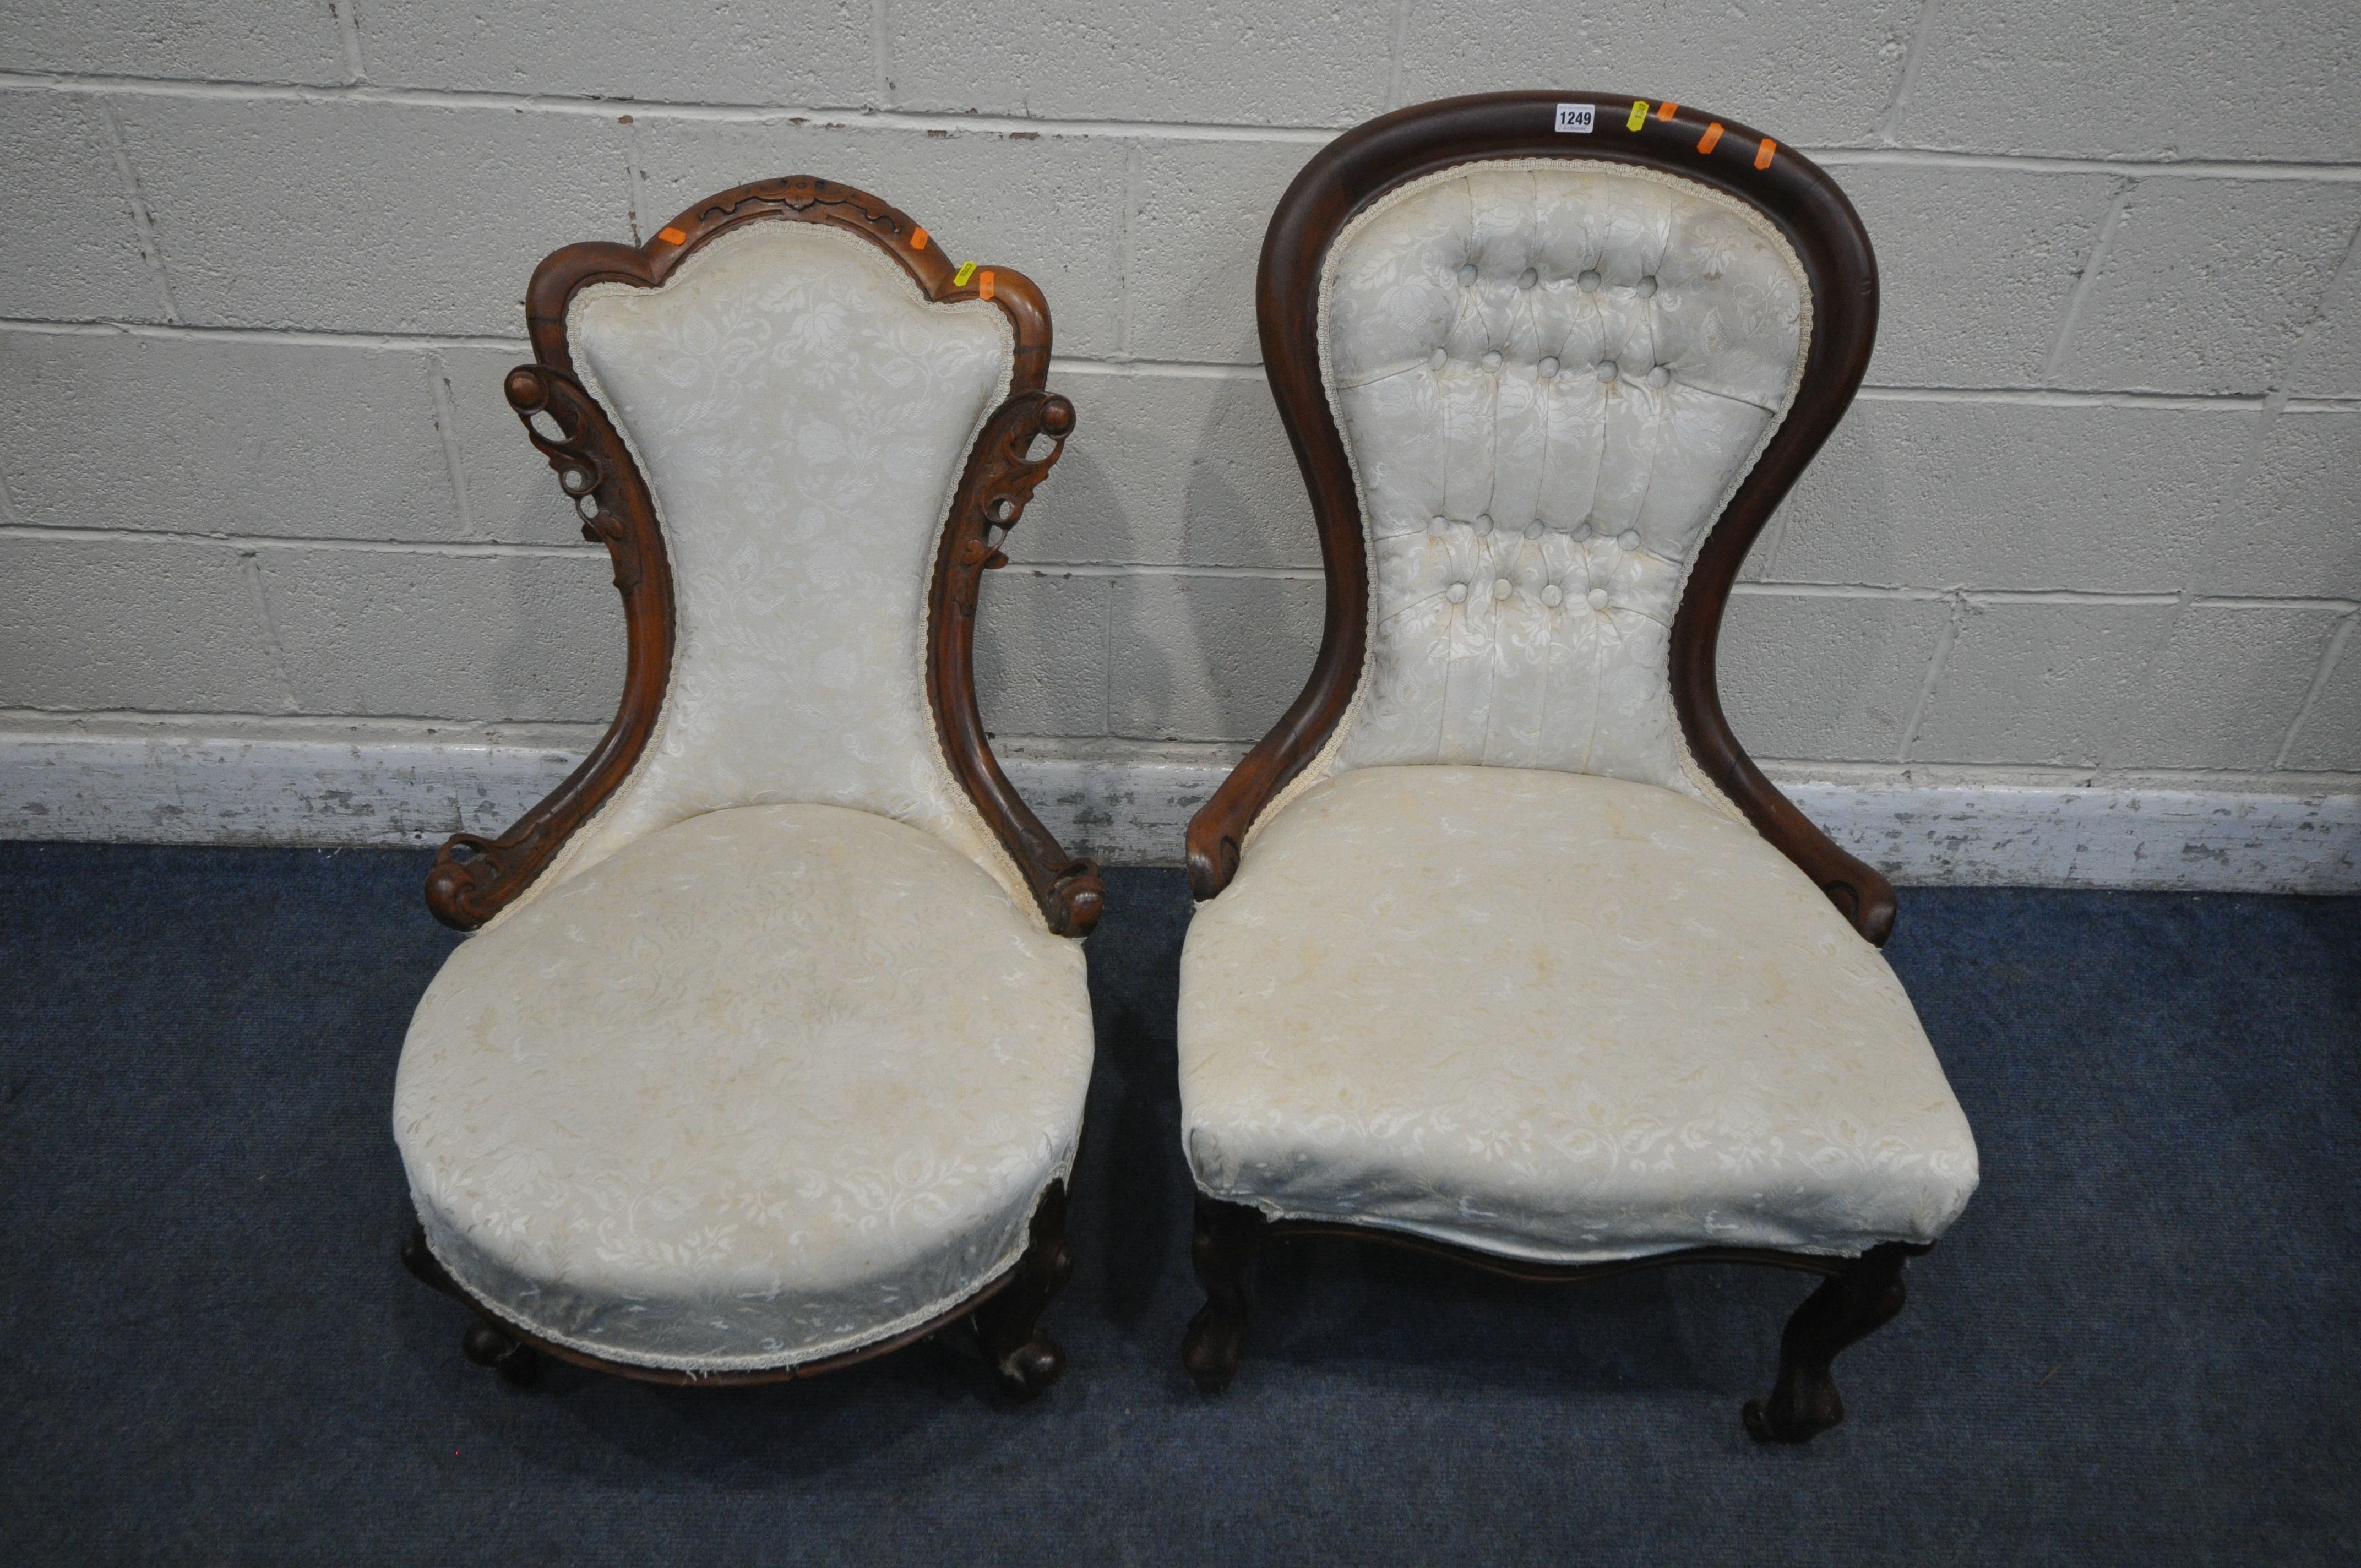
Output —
(802, 414)
(1550, 376)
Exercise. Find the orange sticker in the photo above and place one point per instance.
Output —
(918, 239)
(1712, 135)
(672, 237)
(1763, 154)
(983, 285)
(1664, 111)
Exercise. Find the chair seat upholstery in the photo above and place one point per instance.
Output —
(766, 1086)
(1559, 1017)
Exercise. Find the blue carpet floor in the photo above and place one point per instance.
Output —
(2142, 1344)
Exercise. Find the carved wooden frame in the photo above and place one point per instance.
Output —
(473, 878)
(1366, 163)
(1856, 1294)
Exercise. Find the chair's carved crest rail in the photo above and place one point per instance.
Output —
(801, 193)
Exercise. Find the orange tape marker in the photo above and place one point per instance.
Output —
(1664, 111)
(672, 237)
(983, 285)
(1639, 115)
(1763, 154)
(1707, 142)
(918, 239)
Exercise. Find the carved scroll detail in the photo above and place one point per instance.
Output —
(473, 877)
(1001, 475)
(802, 193)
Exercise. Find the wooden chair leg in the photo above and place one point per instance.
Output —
(1229, 1235)
(1847, 1306)
(1008, 1325)
(486, 1343)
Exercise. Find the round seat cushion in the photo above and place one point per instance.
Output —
(763, 1087)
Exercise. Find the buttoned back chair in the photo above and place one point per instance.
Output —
(768, 1052)
(1506, 950)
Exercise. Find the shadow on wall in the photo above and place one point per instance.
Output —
(1222, 657)
(1040, 637)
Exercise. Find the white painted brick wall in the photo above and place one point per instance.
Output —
(74, 247)
(1963, 492)
(95, 623)
(235, 40)
(236, 436)
(1245, 63)
(2097, 516)
(1829, 675)
(2205, 286)
(2121, 79)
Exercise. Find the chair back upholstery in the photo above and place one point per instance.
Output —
(802, 413)
(1549, 362)
(802, 432)
(1550, 375)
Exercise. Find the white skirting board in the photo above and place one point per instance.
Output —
(307, 792)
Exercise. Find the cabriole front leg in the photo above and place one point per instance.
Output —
(486, 1343)
(1024, 1359)
(1229, 1235)
(1847, 1306)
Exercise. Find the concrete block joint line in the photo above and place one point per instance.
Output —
(2089, 525)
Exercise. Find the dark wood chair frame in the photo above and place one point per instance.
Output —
(474, 878)
(1856, 1294)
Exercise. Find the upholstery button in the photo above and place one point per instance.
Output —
(1492, 360)
(1552, 596)
(1659, 376)
(1503, 588)
(1647, 288)
(1466, 274)
(1438, 525)
(1597, 599)
(1607, 369)
(1581, 532)
(1527, 278)
(1483, 525)
(1589, 281)
(1457, 593)
(1548, 368)
(1533, 530)
(1629, 538)
(1434, 360)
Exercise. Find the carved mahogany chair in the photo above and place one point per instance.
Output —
(1509, 951)
(769, 1053)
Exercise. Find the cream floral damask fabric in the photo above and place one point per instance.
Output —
(1555, 1015)
(802, 414)
(764, 1086)
(1550, 377)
